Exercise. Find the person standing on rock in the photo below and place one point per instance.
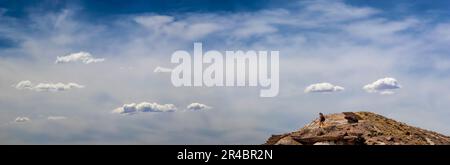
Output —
(321, 120)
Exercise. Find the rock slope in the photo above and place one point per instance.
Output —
(359, 128)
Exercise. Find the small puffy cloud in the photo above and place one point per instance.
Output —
(46, 87)
(383, 86)
(323, 87)
(56, 118)
(83, 57)
(22, 119)
(197, 106)
(162, 70)
(144, 107)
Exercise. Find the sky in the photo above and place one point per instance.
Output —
(98, 72)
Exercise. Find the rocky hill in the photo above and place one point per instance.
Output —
(359, 128)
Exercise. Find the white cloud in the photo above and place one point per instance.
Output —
(144, 107)
(84, 57)
(56, 118)
(153, 22)
(383, 86)
(134, 108)
(26, 84)
(441, 33)
(323, 87)
(382, 30)
(386, 92)
(197, 106)
(46, 87)
(22, 119)
(200, 29)
(162, 70)
(338, 10)
(254, 28)
(56, 86)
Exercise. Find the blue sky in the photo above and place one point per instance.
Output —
(108, 51)
(20, 8)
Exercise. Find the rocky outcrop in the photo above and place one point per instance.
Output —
(359, 128)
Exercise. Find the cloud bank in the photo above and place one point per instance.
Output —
(323, 88)
(46, 87)
(83, 57)
(383, 86)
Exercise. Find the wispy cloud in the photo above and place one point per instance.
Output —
(46, 87)
(338, 11)
(56, 118)
(167, 25)
(84, 57)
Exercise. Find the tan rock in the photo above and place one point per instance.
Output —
(356, 128)
(287, 141)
